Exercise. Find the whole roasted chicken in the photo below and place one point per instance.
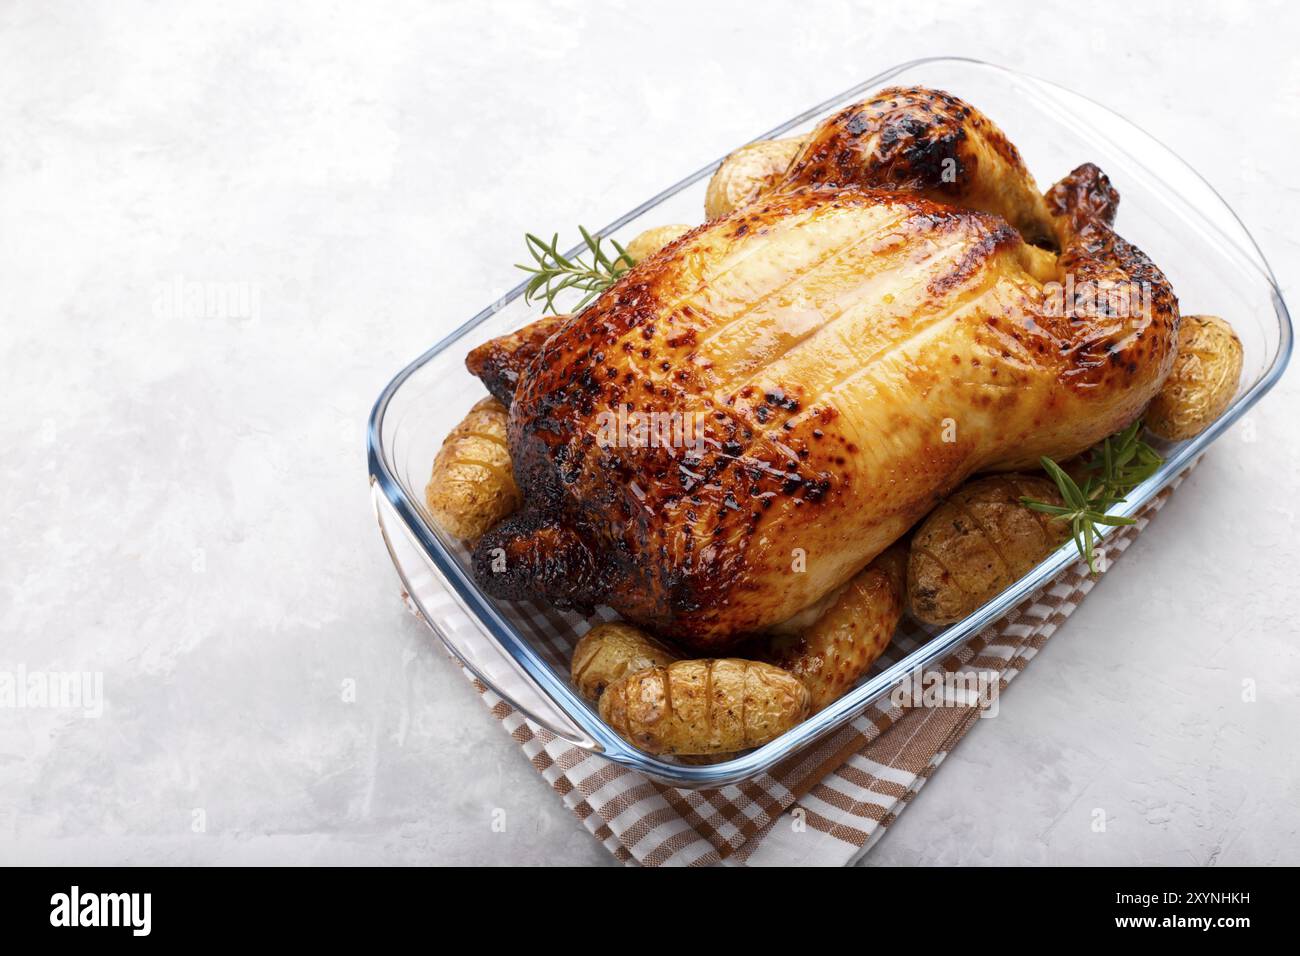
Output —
(903, 308)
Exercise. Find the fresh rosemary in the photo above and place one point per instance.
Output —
(1114, 468)
(554, 272)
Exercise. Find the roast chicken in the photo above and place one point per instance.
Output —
(900, 311)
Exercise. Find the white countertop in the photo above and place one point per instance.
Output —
(184, 503)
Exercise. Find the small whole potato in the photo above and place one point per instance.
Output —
(704, 706)
(748, 172)
(1206, 372)
(613, 650)
(845, 640)
(977, 542)
(472, 485)
(653, 239)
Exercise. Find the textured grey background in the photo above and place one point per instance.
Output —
(184, 504)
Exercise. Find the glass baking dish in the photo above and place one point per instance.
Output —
(519, 651)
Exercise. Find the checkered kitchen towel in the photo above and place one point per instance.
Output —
(827, 805)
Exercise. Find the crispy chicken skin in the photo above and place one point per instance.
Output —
(928, 142)
(836, 357)
(501, 361)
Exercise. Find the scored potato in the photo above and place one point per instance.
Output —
(1203, 382)
(845, 640)
(472, 485)
(748, 172)
(613, 650)
(704, 706)
(978, 542)
(653, 239)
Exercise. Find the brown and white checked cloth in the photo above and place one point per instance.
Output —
(827, 805)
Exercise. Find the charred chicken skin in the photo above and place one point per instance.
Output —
(901, 310)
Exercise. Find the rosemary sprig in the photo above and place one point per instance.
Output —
(553, 272)
(1114, 468)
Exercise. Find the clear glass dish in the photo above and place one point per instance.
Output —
(518, 652)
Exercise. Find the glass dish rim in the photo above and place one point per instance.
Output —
(563, 696)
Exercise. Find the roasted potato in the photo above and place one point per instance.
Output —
(748, 172)
(472, 486)
(839, 647)
(653, 239)
(977, 542)
(704, 706)
(1203, 382)
(613, 650)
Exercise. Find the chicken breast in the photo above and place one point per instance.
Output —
(750, 416)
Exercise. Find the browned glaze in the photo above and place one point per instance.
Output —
(499, 362)
(847, 349)
(930, 142)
